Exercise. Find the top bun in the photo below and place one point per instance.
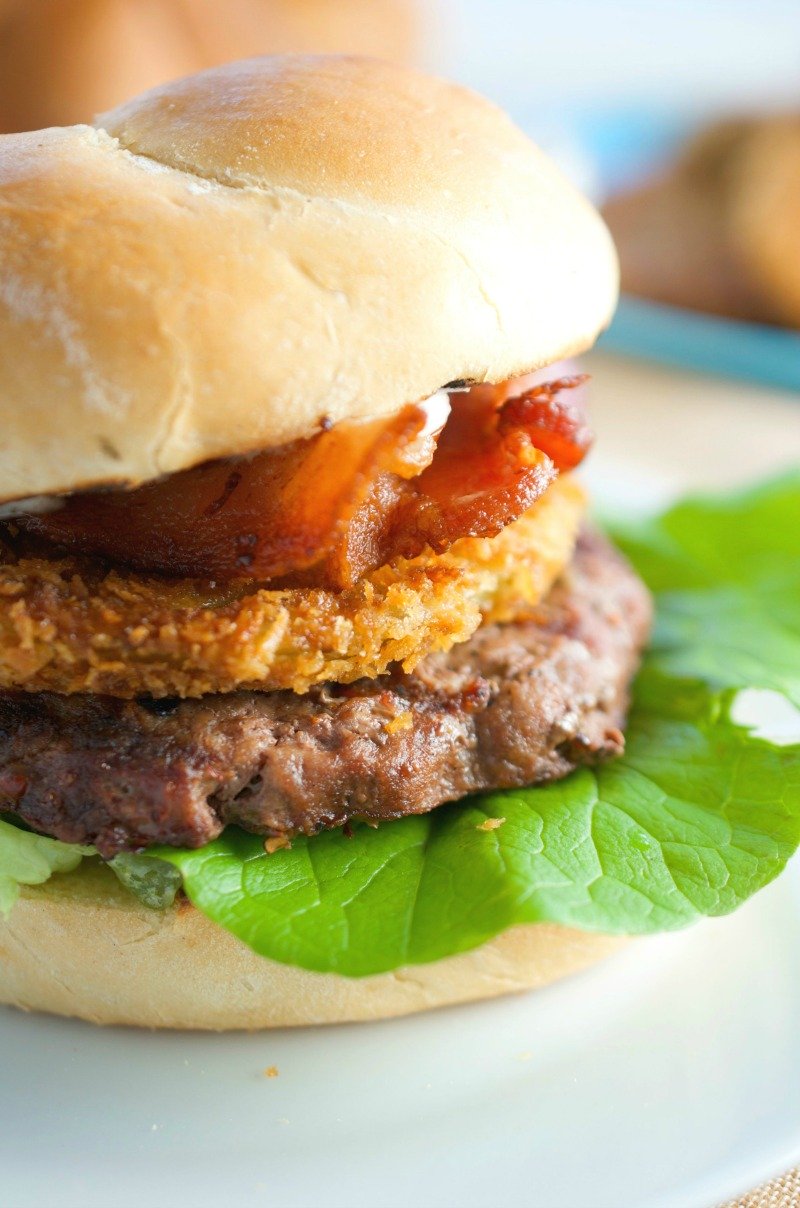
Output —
(233, 259)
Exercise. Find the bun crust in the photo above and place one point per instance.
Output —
(82, 946)
(230, 260)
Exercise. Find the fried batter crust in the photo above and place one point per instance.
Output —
(72, 625)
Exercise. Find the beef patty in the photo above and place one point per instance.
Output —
(517, 704)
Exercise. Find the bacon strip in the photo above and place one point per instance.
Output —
(325, 511)
(264, 518)
(494, 459)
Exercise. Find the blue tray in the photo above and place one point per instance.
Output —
(769, 355)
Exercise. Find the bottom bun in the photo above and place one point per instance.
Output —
(83, 946)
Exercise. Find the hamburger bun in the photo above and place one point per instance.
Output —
(234, 259)
(83, 946)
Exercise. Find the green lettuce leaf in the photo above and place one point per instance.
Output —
(28, 859)
(726, 574)
(697, 816)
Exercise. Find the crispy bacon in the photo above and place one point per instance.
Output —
(495, 457)
(324, 511)
(553, 418)
(264, 518)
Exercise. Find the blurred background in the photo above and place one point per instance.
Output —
(62, 61)
(681, 118)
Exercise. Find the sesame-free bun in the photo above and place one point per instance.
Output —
(81, 945)
(230, 260)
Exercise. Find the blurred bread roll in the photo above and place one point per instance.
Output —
(64, 61)
(672, 233)
(765, 214)
(719, 230)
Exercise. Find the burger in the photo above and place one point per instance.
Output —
(293, 548)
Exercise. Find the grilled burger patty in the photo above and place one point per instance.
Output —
(517, 704)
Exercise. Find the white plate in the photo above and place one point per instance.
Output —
(667, 1077)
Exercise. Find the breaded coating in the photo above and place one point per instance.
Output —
(70, 625)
